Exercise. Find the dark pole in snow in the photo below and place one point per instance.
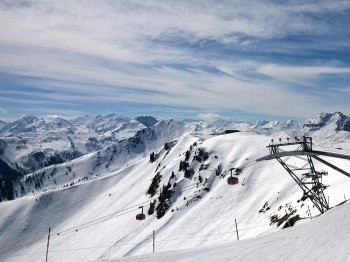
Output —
(154, 238)
(344, 197)
(236, 230)
(48, 242)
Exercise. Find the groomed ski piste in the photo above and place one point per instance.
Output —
(323, 239)
(93, 218)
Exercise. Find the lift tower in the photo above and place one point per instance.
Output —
(307, 178)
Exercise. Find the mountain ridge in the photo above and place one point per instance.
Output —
(178, 172)
(31, 143)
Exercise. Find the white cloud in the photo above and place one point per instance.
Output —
(141, 51)
(297, 72)
(129, 30)
(209, 117)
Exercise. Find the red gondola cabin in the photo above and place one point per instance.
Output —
(232, 180)
(140, 217)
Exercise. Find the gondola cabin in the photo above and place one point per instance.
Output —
(140, 217)
(232, 180)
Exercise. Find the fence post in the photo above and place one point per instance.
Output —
(236, 230)
(48, 242)
(154, 240)
(309, 212)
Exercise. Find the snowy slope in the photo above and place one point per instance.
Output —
(323, 239)
(102, 162)
(91, 202)
(95, 219)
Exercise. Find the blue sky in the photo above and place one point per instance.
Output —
(237, 59)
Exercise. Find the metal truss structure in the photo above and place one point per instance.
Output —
(307, 178)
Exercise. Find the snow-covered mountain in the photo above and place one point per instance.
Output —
(106, 160)
(147, 120)
(2, 124)
(178, 172)
(33, 143)
(328, 124)
(30, 125)
(290, 127)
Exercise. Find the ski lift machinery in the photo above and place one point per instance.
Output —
(307, 178)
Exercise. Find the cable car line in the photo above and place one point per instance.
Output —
(11, 248)
(110, 216)
(97, 221)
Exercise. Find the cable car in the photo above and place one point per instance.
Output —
(232, 180)
(141, 216)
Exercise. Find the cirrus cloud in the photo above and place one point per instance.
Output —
(214, 56)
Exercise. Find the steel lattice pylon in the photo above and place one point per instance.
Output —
(307, 178)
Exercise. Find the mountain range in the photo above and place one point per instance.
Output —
(86, 178)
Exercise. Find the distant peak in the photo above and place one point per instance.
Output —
(328, 115)
(112, 115)
(29, 118)
(336, 122)
(147, 120)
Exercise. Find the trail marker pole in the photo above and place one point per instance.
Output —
(236, 229)
(344, 198)
(48, 243)
(309, 212)
(154, 240)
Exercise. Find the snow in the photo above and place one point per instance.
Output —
(53, 135)
(325, 238)
(93, 219)
(2, 124)
(327, 124)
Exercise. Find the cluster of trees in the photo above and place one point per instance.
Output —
(162, 204)
(152, 207)
(152, 190)
(3, 146)
(152, 157)
(185, 166)
(39, 159)
(8, 175)
(201, 155)
(164, 200)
